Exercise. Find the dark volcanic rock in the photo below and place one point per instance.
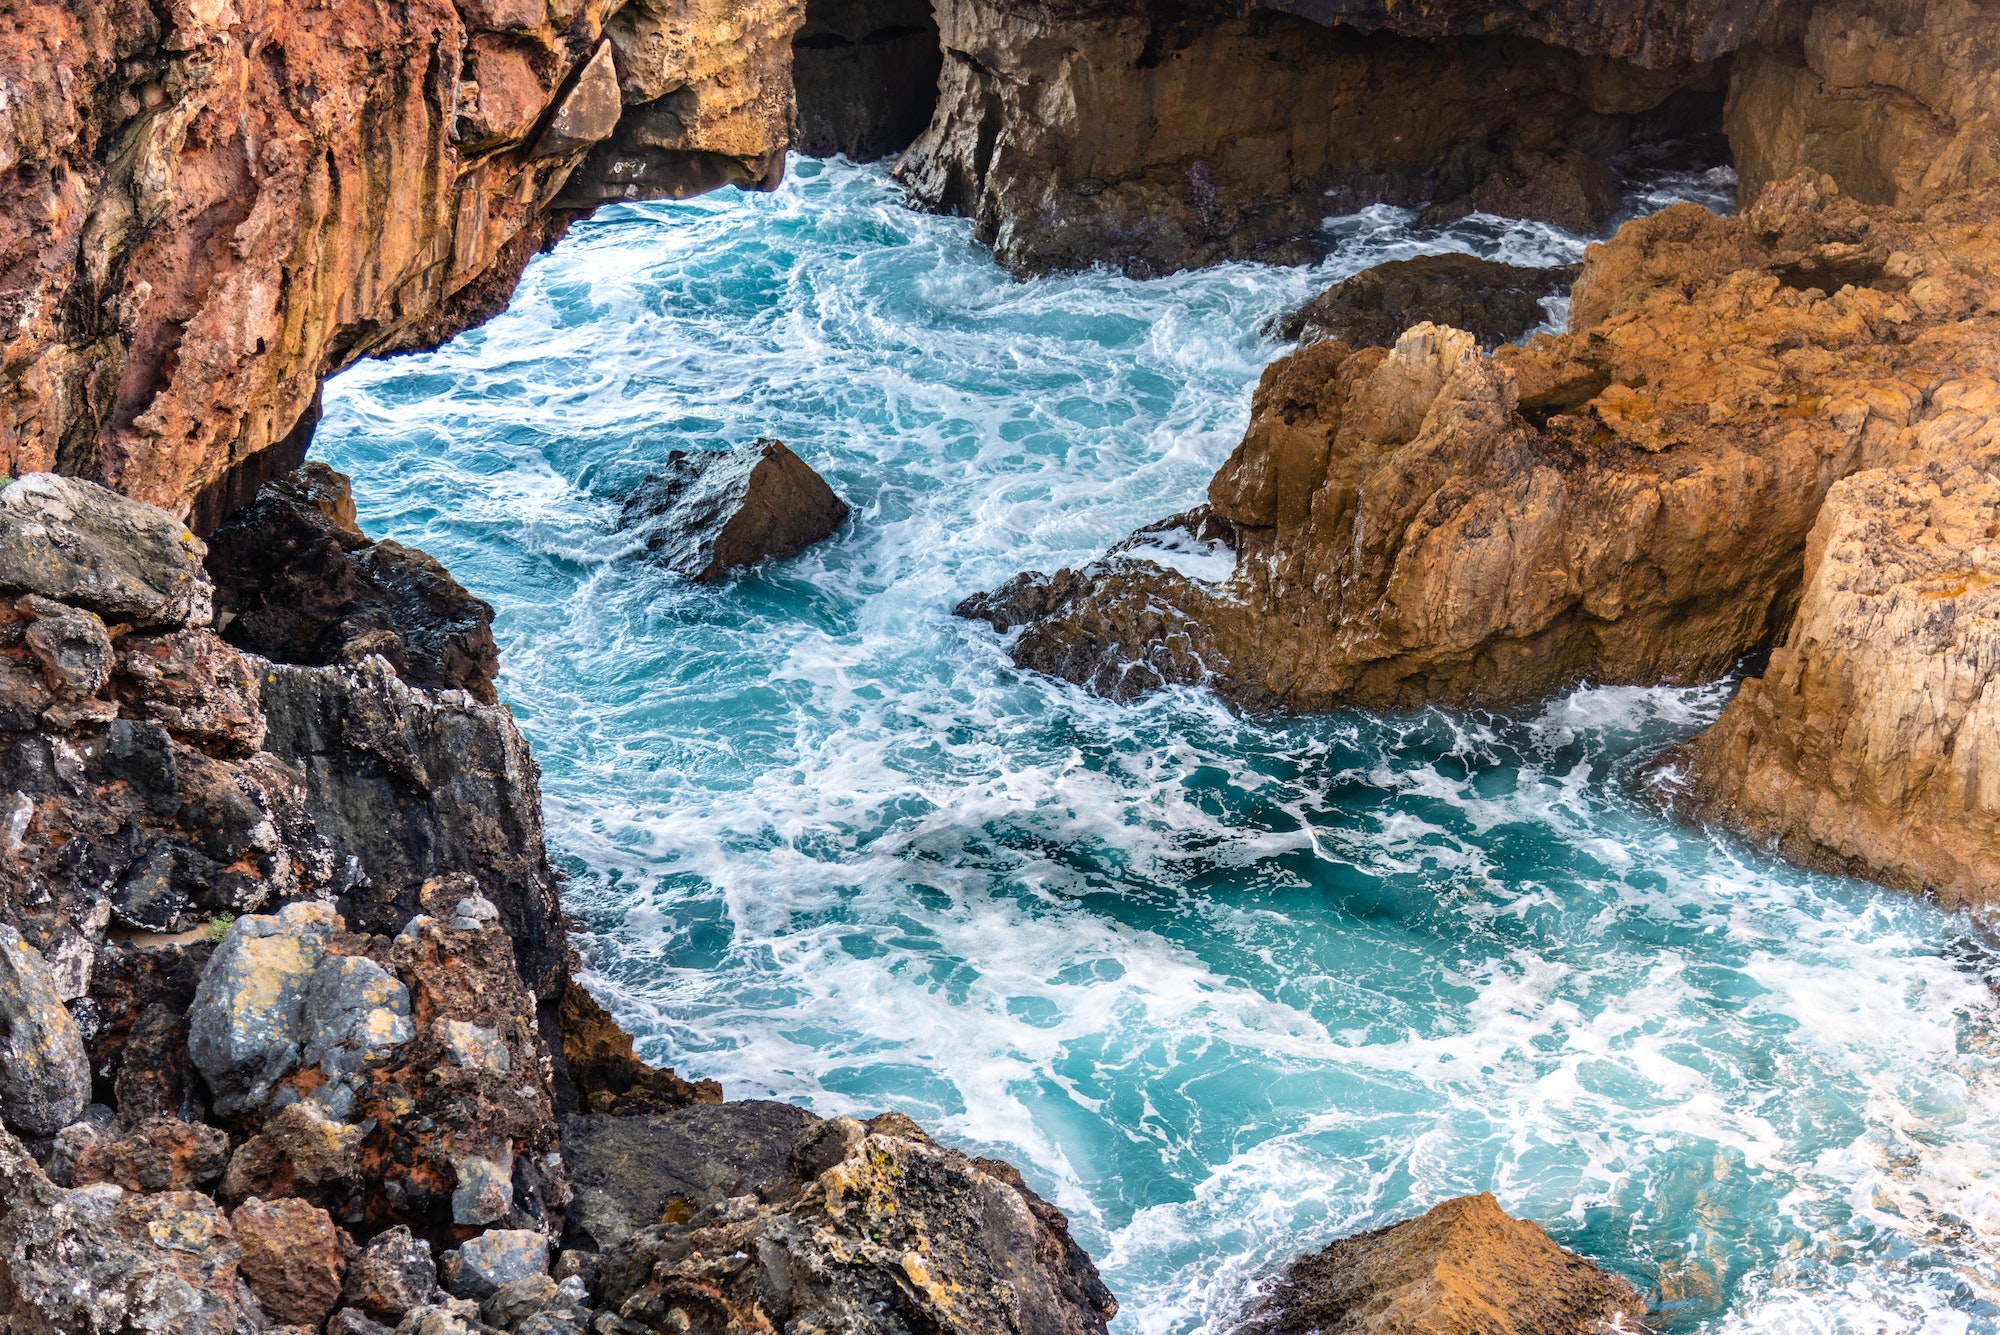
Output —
(866, 72)
(297, 581)
(710, 512)
(1464, 1268)
(1493, 302)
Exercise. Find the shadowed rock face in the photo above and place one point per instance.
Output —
(866, 72)
(708, 513)
(1130, 135)
(1493, 302)
(1462, 1268)
(1653, 33)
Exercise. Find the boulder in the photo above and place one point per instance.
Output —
(300, 1150)
(1867, 746)
(44, 1071)
(1494, 302)
(482, 1265)
(392, 1274)
(245, 1027)
(161, 1154)
(293, 1258)
(196, 686)
(707, 513)
(356, 1013)
(1463, 1268)
(83, 544)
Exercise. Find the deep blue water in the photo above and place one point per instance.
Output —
(1224, 988)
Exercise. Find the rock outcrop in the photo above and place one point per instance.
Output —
(1868, 745)
(206, 209)
(1119, 134)
(866, 75)
(1462, 1268)
(1652, 33)
(1628, 502)
(708, 512)
(1493, 302)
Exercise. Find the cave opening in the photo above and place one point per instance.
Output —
(866, 73)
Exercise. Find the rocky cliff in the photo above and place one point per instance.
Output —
(208, 208)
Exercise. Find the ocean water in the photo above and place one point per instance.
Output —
(1225, 988)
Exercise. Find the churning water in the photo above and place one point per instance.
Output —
(1225, 988)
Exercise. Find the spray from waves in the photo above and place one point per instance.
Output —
(1225, 988)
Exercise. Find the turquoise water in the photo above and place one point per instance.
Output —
(1224, 988)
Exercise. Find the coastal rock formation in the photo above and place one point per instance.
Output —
(1653, 33)
(866, 74)
(1867, 745)
(1493, 302)
(1462, 1268)
(206, 209)
(708, 512)
(1117, 134)
(1626, 503)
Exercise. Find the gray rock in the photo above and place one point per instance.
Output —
(448, 1316)
(485, 1190)
(476, 1046)
(72, 646)
(356, 1012)
(79, 543)
(625, 1173)
(44, 1071)
(350, 1321)
(538, 1305)
(706, 513)
(392, 1274)
(478, 1268)
(244, 1027)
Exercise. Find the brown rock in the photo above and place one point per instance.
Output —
(1653, 33)
(199, 689)
(1866, 746)
(605, 1075)
(1493, 302)
(1462, 1268)
(707, 513)
(162, 1154)
(391, 1275)
(293, 1258)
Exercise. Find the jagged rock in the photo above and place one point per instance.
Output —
(1864, 748)
(411, 786)
(709, 512)
(293, 1258)
(134, 1024)
(245, 1028)
(537, 1305)
(298, 582)
(96, 1261)
(866, 74)
(356, 1013)
(1653, 33)
(44, 1072)
(890, 1224)
(392, 1274)
(587, 113)
(347, 1321)
(198, 688)
(71, 645)
(449, 1316)
(1120, 134)
(483, 1265)
(300, 1150)
(79, 543)
(1462, 1268)
(1494, 302)
(1627, 503)
(162, 1153)
(605, 1075)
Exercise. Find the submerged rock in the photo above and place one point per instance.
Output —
(1463, 1268)
(709, 512)
(1494, 302)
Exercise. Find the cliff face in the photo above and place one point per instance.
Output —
(1653, 33)
(207, 208)
(1125, 135)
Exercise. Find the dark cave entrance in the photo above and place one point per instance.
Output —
(866, 72)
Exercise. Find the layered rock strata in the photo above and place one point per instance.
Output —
(1122, 134)
(207, 209)
(1628, 502)
(290, 1029)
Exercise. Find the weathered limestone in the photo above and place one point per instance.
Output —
(707, 513)
(77, 543)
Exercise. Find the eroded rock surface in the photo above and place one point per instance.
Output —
(1462, 1268)
(1493, 302)
(866, 72)
(708, 512)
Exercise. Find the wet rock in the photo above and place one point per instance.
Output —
(162, 1153)
(44, 1072)
(478, 1269)
(244, 1031)
(392, 1274)
(1494, 302)
(298, 582)
(603, 1073)
(293, 1258)
(1567, 188)
(83, 544)
(97, 1261)
(1861, 749)
(707, 513)
(1463, 1268)
(413, 789)
(895, 1224)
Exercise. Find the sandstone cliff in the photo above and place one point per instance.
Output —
(207, 208)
